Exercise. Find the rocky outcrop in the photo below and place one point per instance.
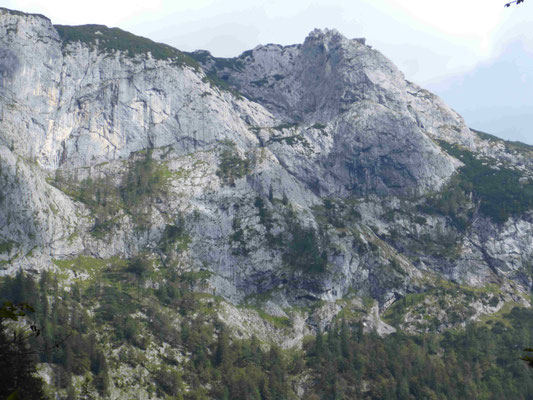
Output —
(72, 105)
(380, 125)
(288, 175)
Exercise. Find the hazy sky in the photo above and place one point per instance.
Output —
(428, 39)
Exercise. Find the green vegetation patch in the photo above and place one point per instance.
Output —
(260, 82)
(290, 140)
(235, 64)
(216, 82)
(278, 322)
(509, 144)
(497, 189)
(287, 125)
(232, 166)
(20, 13)
(175, 237)
(396, 313)
(204, 361)
(115, 39)
(7, 246)
(319, 126)
(90, 265)
(237, 239)
(303, 251)
(454, 299)
(487, 136)
(194, 276)
(340, 214)
(144, 180)
(203, 57)
(265, 215)
(198, 358)
(220, 63)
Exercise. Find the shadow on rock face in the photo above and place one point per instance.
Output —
(9, 63)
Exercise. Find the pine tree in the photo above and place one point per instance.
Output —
(222, 351)
(17, 362)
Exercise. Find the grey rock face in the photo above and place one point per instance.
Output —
(69, 104)
(381, 125)
(329, 143)
(34, 216)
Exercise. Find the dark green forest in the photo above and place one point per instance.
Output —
(481, 361)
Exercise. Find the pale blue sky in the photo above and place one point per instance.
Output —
(435, 43)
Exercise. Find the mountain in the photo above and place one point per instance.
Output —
(171, 208)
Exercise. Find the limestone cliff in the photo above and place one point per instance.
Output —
(287, 175)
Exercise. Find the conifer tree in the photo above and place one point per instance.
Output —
(17, 363)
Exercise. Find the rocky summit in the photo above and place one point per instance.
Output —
(283, 190)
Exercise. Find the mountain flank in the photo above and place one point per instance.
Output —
(187, 215)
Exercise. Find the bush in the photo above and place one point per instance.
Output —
(232, 167)
(145, 179)
(174, 236)
(303, 251)
(168, 380)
